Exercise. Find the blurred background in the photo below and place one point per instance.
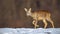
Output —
(12, 12)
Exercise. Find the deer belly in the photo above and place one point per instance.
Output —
(40, 18)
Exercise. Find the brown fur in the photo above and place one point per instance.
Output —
(40, 15)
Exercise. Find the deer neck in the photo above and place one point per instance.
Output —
(32, 15)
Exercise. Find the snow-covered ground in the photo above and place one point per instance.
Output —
(29, 31)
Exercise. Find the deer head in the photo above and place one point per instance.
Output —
(28, 11)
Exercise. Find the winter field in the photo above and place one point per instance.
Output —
(29, 31)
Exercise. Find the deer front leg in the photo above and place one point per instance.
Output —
(45, 24)
(35, 24)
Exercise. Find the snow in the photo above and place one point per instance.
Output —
(29, 31)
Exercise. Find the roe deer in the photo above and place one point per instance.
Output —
(39, 15)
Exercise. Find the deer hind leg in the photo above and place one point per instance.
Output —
(51, 22)
(45, 23)
(35, 23)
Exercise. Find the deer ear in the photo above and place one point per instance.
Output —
(30, 9)
(25, 9)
